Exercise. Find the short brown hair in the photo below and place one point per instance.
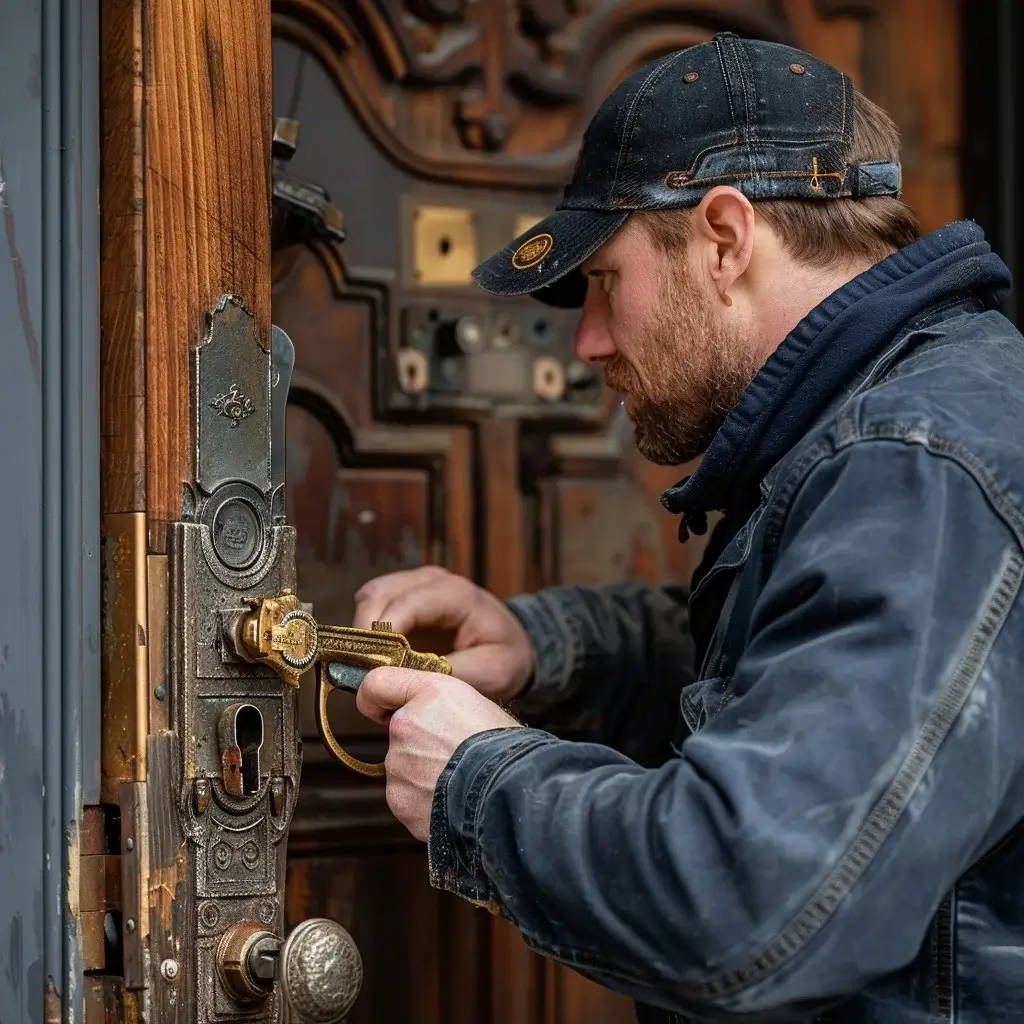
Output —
(827, 233)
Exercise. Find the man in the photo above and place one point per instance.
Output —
(830, 832)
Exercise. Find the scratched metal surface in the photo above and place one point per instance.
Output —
(49, 615)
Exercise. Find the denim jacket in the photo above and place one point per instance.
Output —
(792, 793)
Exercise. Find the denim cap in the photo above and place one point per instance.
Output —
(769, 120)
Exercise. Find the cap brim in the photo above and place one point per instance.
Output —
(544, 262)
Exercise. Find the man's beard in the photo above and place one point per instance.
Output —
(693, 375)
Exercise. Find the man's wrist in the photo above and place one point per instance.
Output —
(554, 648)
(453, 851)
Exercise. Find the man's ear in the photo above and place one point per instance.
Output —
(724, 220)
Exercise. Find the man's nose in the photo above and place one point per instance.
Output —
(593, 342)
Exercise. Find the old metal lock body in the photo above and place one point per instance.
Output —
(239, 641)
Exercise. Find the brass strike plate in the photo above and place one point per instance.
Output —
(444, 246)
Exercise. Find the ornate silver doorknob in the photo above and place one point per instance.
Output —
(318, 968)
(320, 971)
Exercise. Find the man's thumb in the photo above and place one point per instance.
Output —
(385, 690)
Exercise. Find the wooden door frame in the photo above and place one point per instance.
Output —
(185, 206)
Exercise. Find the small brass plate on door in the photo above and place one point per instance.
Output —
(443, 245)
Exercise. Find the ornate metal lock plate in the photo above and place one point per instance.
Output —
(233, 756)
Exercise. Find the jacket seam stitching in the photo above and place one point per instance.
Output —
(889, 808)
(942, 949)
(943, 447)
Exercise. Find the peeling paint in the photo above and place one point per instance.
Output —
(15, 954)
(52, 1004)
(19, 760)
(74, 872)
(73, 924)
(20, 284)
(163, 887)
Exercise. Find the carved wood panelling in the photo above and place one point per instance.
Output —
(494, 93)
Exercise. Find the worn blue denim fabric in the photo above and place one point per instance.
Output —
(769, 120)
(798, 788)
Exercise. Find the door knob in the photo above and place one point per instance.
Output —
(318, 968)
(321, 971)
(280, 633)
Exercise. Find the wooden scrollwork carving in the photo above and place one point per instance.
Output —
(495, 94)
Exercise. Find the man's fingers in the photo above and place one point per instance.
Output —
(373, 597)
(428, 605)
(395, 582)
(385, 690)
(481, 664)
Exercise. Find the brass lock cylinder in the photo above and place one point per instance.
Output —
(246, 959)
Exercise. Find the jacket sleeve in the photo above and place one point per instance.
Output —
(801, 844)
(611, 662)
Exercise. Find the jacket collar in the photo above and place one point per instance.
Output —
(822, 355)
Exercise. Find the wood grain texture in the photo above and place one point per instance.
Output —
(905, 56)
(518, 976)
(501, 523)
(207, 181)
(509, 81)
(122, 282)
(912, 50)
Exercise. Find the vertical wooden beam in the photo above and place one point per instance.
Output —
(914, 47)
(185, 197)
(501, 529)
(207, 182)
(518, 975)
(122, 265)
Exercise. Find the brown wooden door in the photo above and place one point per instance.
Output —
(428, 423)
(440, 129)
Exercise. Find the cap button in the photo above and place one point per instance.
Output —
(797, 69)
(690, 77)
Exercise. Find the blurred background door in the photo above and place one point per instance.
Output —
(432, 424)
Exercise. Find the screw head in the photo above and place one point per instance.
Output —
(129, 844)
(160, 692)
(129, 926)
(169, 969)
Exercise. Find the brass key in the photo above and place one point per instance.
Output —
(278, 632)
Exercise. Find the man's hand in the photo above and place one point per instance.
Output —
(428, 716)
(492, 650)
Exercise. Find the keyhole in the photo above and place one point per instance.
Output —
(249, 730)
(445, 245)
(241, 736)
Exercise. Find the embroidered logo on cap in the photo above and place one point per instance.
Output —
(532, 251)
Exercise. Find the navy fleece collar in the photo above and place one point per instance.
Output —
(823, 352)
